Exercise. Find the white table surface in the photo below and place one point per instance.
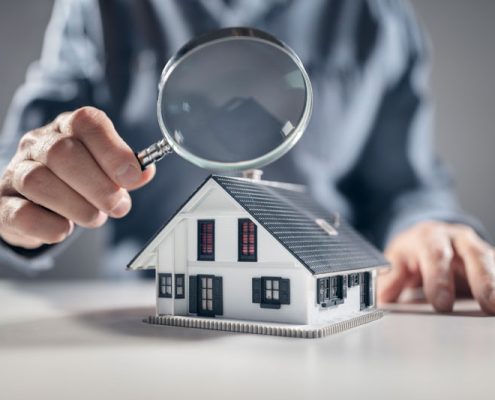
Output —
(86, 340)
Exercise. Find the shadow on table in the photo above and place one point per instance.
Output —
(103, 327)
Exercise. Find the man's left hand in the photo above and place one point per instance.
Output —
(447, 260)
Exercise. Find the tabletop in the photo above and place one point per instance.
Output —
(81, 340)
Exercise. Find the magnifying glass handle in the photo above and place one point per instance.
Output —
(153, 153)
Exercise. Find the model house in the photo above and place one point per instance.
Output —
(261, 257)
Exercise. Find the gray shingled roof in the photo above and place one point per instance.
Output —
(289, 215)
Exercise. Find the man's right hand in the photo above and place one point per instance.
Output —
(76, 170)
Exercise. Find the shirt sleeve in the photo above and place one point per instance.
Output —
(398, 179)
(68, 75)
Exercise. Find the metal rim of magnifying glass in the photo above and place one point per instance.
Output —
(224, 35)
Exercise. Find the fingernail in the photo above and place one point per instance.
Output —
(443, 300)
(122, 207)
(127, 175)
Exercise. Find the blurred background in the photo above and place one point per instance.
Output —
(462, 34)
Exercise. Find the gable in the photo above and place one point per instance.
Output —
(211, 201)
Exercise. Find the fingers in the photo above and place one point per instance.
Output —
(479, 262)
(95, 130)
(392, 282)
(74, 170)
(20, 218)
(72, 163)
(435, 257)
(441, 252)
(21, 241)
(421, 255)
(37, 183)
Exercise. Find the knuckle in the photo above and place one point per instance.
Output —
(31, 178)
(108, 203)
(467, 231)
(25, 143)
(92, 219)
(61, 118)
(61, 148)
(440, 253)
(87, 118)
(22, 216)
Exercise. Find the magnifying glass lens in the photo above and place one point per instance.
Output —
(232, 100)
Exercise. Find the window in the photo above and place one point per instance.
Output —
(165, 285)
(247, 240)
(330, 291)
(206, 290)
(179, 286)
(206, 240)
(353, 280)
(271, 292)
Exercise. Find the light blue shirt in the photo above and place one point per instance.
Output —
(366, 154)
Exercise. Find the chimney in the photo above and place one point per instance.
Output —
(253, 174)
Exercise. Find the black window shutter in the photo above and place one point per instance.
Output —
(370, 289)
(362, 296)
(344, 288)
(217, 295)
(284, 291)
(193, 295)
(256, 290)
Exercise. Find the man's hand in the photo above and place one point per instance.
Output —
(446, 259)
(76, 170)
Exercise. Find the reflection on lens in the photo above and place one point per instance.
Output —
(233, 99)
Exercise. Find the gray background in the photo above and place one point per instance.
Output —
(463, 37)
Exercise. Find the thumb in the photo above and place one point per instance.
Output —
(147, 175)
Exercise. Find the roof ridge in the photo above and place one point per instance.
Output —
(293, 187)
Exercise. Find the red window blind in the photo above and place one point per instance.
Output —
(247, 240)
(206, 239)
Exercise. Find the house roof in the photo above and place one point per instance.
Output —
(295, 220)
(291, 216)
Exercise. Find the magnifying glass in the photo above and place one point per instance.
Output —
(231, 100)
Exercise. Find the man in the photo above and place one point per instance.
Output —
(367, 152)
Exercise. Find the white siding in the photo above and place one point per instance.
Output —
(180, 265)
(165, 265)
(177, 246)
(237, 292)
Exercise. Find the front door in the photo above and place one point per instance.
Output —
(207, 299)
